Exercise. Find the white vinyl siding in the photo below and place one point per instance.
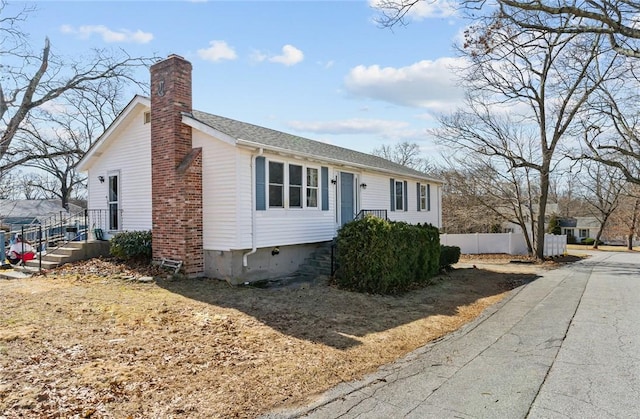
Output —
(376, 196)
(220, 191)
(130, 154)
(293, 225)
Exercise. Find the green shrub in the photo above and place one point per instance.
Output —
(589, 241)
(554, 225)
(571, 239)
(131, 245)
(449, 255)
(382, 257)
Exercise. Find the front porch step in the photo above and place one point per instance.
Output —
(46, 264)
(71, 252)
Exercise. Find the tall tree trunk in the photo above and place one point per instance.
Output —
(632, 229)
(542, 208)
(600, 230)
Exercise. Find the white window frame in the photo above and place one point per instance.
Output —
(399, 207)
(117, 202)
(308, 188)
(282, 186)
(300, 187)
(286, 186)
(423, 197)
(585, 231)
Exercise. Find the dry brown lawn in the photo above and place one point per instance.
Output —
(89, 341)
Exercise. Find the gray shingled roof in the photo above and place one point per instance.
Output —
(323, 151)
(34, 208)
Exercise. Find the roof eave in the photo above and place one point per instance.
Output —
(256, 145)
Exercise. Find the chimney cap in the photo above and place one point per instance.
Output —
(175, 56)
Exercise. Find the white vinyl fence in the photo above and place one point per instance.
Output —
(509, 243)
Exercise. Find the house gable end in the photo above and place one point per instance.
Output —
(136, 106)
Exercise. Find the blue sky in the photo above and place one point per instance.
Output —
(323, 70)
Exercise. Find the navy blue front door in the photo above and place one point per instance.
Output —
(347, 201)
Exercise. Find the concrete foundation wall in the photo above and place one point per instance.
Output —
(266, 263)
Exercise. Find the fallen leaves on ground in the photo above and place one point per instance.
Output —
(86, 341)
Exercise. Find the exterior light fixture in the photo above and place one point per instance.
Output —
(363, 185)
(101, 179)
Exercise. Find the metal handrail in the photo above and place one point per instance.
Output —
(60, 229)
(380, 213)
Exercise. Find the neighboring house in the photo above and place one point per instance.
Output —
(509, 227)
(15, 213)
(579, 227)
(231, 199)
(30, 215)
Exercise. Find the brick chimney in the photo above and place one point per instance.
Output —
(176, 168)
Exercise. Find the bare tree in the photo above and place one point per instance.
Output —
(463, 204)
(616, 20)
(491, 195)
(625, 219)
(526, 90)
(612, 127)
(66, 132)
(601, 191)
(32, 79)
(407, 154)
(8, 188)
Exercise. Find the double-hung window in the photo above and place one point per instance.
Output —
(399, 195)
(423, 197)
(312, 187)
(295, 186)
(276, 185)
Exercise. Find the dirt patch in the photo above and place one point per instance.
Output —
(88, 340)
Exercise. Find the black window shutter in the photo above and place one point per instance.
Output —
(260, 184)
(392, 183)
(418, 194)
(324, 179)
(406, 198)
(428, 197)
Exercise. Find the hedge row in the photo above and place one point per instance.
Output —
(131, 245)
(382, 257)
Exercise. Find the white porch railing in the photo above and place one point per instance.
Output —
(509, 243)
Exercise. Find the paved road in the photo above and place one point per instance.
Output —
(564, 346)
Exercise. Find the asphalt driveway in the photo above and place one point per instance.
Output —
(564, 346)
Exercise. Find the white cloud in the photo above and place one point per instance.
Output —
(290, 56)
(348, 126)
(217, 51)
(327, 64)
(53, 107)
(108, 35)
(258, 56)
(420, 9)
(432, 85)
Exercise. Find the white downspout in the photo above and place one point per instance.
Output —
(254, 248)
